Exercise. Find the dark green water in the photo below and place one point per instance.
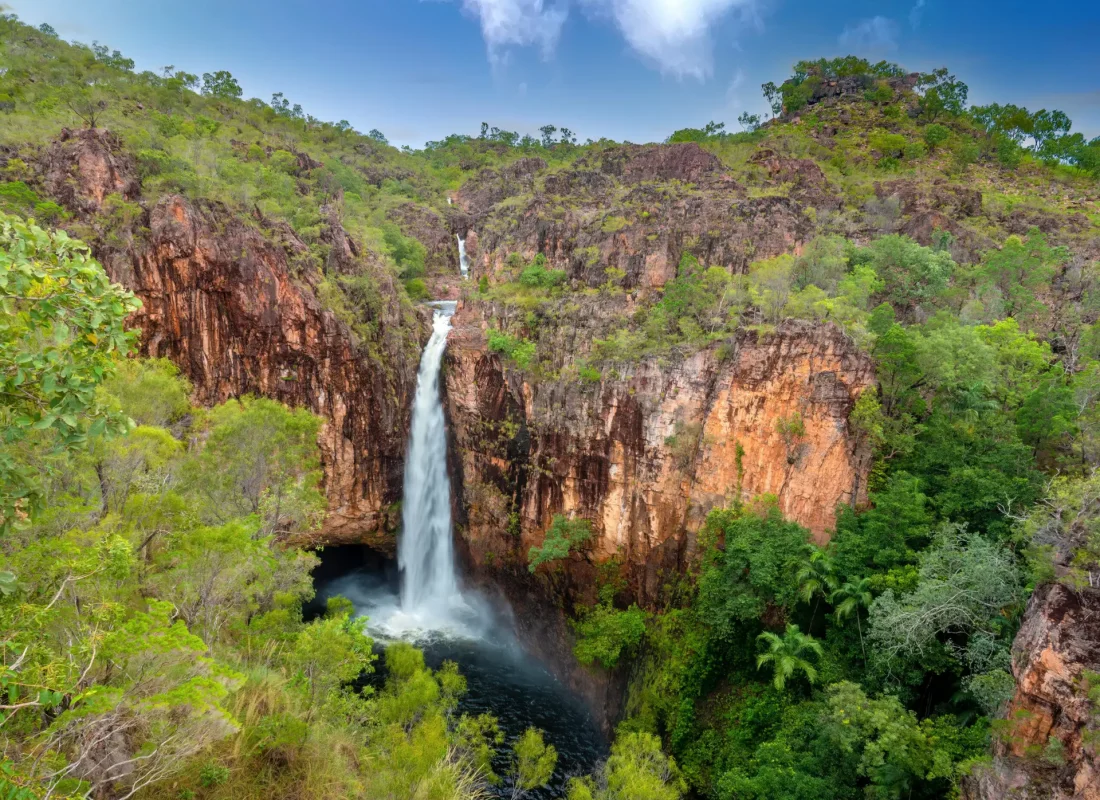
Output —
(502, 679)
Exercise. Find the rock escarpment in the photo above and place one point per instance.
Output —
(1048, 749)
(646, 455)
(235, 304)
(631, 208)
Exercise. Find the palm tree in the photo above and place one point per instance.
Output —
(789, 654)
(816, 577)
(849, 599)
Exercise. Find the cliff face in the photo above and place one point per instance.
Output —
(645, 456)
(637, 209)
(1049, 748)
(235, 304)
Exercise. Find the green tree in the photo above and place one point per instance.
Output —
(789, 654)
(605, 633)
(1021, 272)
(636, 770)
(941, 95)
(534, 762)
(329, 653)
(935, 135)
(221, 84)
(562, 538)
(61, 335)
(848, 599)
(149, 391)
(914, 277)
(260, 458)
(892, 749)
(755, 571)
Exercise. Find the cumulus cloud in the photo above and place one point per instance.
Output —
(873, 35)
(674, 35)
(518, 23)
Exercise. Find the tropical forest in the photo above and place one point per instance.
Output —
(759, 462)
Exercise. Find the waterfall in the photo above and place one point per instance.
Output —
(463, 261)
(426, 553)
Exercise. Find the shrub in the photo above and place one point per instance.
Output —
(537, 276)
(588, 373)
(564, 536)
(890, 145)
(914, 151)
(521, 351)
(613, 224)
(417, 289)
(935, 135)
(605, 633)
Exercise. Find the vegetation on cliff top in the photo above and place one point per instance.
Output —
(154, 637)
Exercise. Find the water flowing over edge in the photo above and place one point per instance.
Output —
(463, 259)
(431, 600)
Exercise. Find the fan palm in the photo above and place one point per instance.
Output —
(788, 654)
(848, 599)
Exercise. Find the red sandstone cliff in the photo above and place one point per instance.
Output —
(234, 303)
(644, 456)
(1048, 750)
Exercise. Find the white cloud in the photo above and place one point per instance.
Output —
(872, 35)
(517, 23)
(916, 13)
(675, 35)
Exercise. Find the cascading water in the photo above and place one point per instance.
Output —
(426, 605)
(426, 552)
(463, 261)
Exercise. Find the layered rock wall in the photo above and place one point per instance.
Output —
(643, 457)
(1048, 749)
(234, 303)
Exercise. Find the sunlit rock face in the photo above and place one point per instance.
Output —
(1057, 646)
(646, 455)
(234, 303)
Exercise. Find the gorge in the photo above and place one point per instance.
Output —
(715, 468)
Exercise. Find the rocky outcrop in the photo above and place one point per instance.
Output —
(1048, 750)
(431, 229)
(645, 455)
(637, 209)
(235, 304)
(218, 300)
(81, 168)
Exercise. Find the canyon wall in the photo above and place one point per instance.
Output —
(234, 303)
(644, 456)
(1047, 750)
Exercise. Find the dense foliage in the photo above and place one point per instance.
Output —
(153, 638)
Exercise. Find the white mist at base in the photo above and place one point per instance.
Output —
(430, 599)
(463, 260)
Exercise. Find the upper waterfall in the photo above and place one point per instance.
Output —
(463, 260)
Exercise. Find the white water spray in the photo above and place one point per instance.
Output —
(463, 261)
(426, 552)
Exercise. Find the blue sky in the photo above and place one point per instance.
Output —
(625, 69)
